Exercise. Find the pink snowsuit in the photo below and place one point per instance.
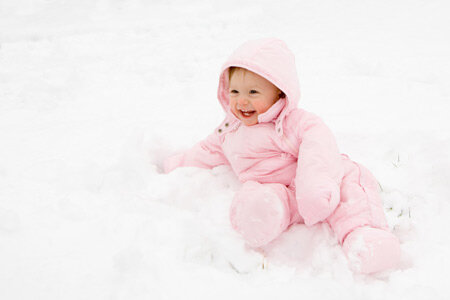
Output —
(289, 163)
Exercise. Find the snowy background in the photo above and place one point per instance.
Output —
(94, 94)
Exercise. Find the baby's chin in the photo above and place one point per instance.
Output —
(249, 122)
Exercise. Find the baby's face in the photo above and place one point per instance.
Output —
(251, 95)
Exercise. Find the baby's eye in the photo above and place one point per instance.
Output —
(234, 92)
(253, 92)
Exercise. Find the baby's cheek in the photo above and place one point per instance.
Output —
(233, 107)
(262, 107)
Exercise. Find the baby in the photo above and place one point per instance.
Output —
(288, 161)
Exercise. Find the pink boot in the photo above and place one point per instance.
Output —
(260, 212)
(371, 250)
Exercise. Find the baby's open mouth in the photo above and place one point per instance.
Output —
(247, 113)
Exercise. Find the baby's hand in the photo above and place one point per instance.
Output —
(316, 203)
(172, 162)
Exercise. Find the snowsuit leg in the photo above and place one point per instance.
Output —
(261, 212)
(360, 204)
(360, 223)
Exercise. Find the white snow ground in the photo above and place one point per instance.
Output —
(94, 94)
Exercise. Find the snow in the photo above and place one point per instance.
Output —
(94, 94)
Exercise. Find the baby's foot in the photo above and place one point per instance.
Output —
(371, 250)
(259, 214)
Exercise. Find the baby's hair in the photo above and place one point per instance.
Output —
(231, 71)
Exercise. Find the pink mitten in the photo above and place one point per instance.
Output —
(173, 162)
(316, 203)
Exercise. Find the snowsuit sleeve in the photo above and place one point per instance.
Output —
(205, 154)
(319, 170)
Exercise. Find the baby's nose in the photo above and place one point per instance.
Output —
(242, 101)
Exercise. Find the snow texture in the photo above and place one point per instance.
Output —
(94, 94)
